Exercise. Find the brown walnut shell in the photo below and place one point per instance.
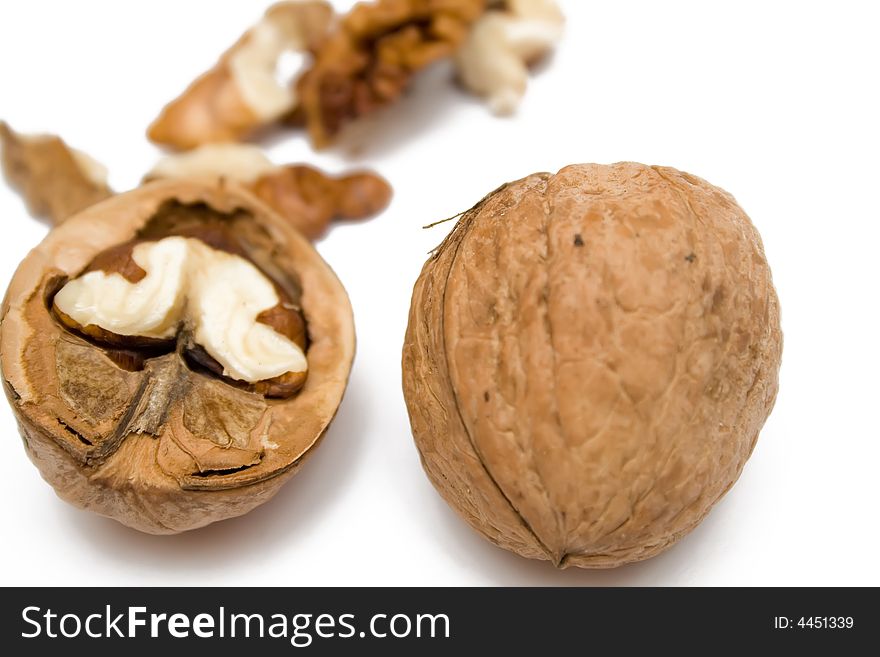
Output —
(147, 439)
(589, 359)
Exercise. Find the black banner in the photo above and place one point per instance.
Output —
(437, 621)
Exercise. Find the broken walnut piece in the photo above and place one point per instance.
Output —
(55, 179)
(313, 199)
(494, 59)
(371, 55)
(158, 442)
(150, 292)
(306, 196)
(243, 91)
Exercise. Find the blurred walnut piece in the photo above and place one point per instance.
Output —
(242, 92)
(355, 64)
(589, 359)
(55, 180)
(371, 55)
(493, 61)
(304, 195)
(143, 340)
(58, 181)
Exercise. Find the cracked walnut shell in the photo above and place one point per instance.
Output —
(589, 359)
(151, 432)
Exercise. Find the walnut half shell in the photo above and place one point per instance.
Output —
(589, 359)
(151, 436)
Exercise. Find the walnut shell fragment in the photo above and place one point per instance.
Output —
(309, 198)
(144, 433)
(242, 93)
(55, 180)
(371, 55)
(589, 359)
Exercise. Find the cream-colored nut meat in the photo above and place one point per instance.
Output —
(136, 341)
(589, 359)
(217, 295)
(493, 61)
(243, 163)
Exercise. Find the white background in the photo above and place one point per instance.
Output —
(777, 102)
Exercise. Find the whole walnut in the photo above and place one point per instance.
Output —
(589, 359)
